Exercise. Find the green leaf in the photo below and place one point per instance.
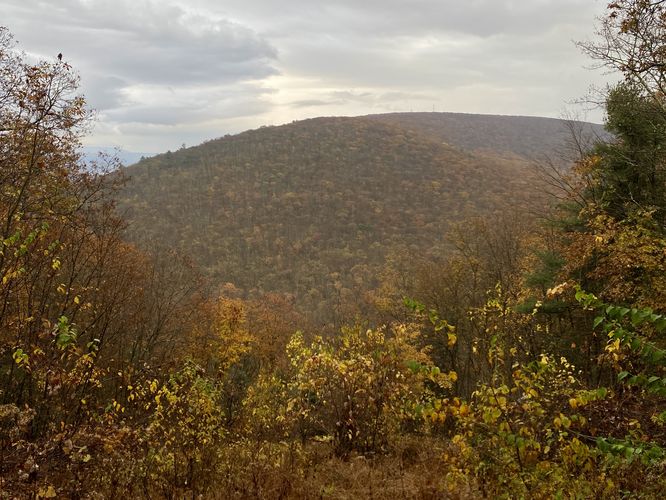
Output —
(414, 366)
(597, 321)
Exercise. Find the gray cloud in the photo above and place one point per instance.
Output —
(187, 106)
(104, 91)
(147, 41)
(150, 62)
(389, 18)
(342, 97)
(312, 103)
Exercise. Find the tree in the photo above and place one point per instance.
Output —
(629, 173)
(76, 301)
(632, 41)
(45, 193)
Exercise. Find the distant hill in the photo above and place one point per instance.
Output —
(532, 138)
(90, 153)
(314, 208)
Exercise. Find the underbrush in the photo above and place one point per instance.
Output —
(366, 415)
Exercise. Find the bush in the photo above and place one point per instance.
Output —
(357, 389)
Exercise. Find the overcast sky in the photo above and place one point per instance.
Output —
(161, 73)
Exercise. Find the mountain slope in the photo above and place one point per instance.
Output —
(314, 208)
(533, 138)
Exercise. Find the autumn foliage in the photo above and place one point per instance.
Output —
(528, 360)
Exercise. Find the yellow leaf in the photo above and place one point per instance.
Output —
(49, 492)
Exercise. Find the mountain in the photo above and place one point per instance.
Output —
(313, 209)
(90, 153)
(533, 138)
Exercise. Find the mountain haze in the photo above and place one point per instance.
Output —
(314, 208)
(92, 153)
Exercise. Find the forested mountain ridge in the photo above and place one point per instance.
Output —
(315, 207)
(530, 137)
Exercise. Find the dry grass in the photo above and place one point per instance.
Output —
(413, 469)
